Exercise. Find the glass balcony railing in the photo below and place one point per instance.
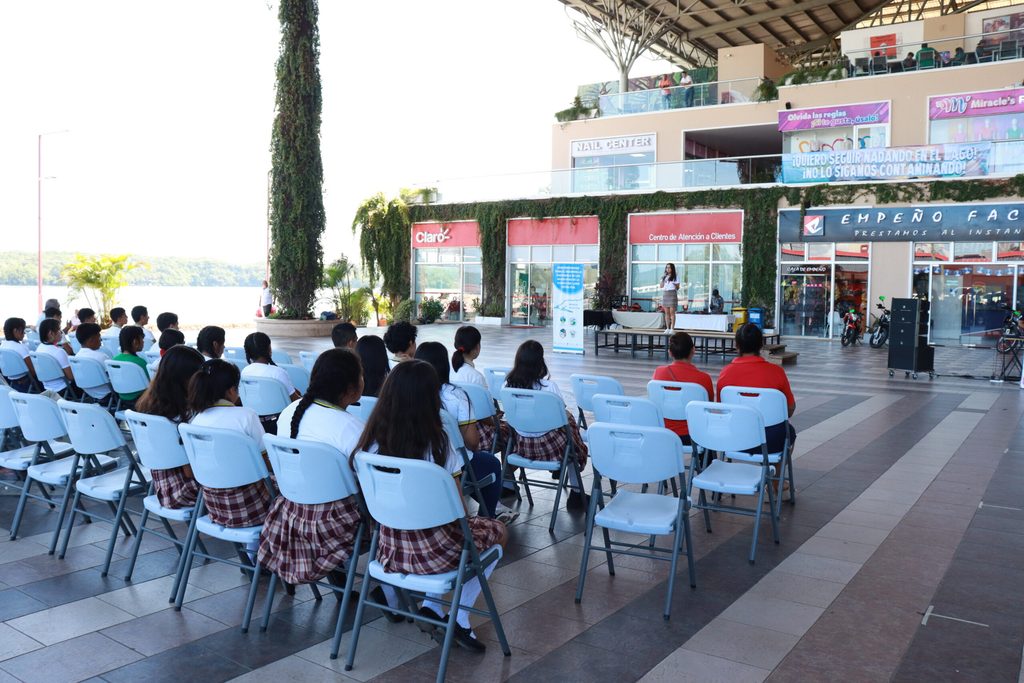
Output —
(678, 97)
(975, 48)
(1006, 159)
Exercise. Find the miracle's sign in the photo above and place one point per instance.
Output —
(1007, 101)
(938, 222)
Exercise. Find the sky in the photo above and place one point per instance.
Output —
(156, 115)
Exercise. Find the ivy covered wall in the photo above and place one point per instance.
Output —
(760, 206)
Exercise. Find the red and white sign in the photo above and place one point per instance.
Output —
(572, 230)
(451, 234)
(691, 227)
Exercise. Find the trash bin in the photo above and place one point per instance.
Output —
(757, 317)
(739, 317)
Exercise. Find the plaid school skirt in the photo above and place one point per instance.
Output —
(303, 543)
(550, 447)
(433, 551)
(488, 434)
(174, 488)
(240, 506)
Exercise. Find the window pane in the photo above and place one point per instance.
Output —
(852, 251)
(645, 291)
(423, 255)
(519, 254)
(587, 253)
(645, 252)
(562, 254)
(471, 254)
(693, 291)
(437, 282)
(472, 290)
(727, 279)
(1010, 251)
(931, 251)
(972, 251)
(668, 252)
(449, 255)
(793, 252)
(696, 252)
(819, 252)
(726, 252)
(540, 254)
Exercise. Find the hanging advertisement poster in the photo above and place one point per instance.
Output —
(567, 307)
(968, 160)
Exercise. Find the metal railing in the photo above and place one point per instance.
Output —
(977, 48)
(678, 97)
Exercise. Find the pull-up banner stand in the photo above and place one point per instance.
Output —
(567, 307)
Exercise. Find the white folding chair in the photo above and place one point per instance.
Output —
(362, 408)
(729, 428)
(233, 353)
(673, 397)
(126, 378)
(281, 357)
(308, 358)
(585, 387)
(409, 495)
(49, 370)
(17, 454)
(495, 378)
(112, 345)
(265, 395)
(239, 363)
(628, 410)
(93, 432)
(13, 366)
(91, 378)
(638, 455)
(483, 410)
(297, 374)
(451, 428)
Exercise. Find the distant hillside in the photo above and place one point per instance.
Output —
(19, 268)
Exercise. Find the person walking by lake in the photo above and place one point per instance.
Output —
(266, 299)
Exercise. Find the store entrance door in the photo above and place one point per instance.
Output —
(531, 288)
(804, 293)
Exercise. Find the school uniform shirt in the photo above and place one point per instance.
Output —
(452, 465)
(467, 374)
(147, 337)
(682, 371)
(138, 360)
(112, 332)
(456, 401)
(272, 371)
(542, 385)
(101, 392)
(18, 348)
(237, 418)
(61, 357)
(325, 423)
(755, 371)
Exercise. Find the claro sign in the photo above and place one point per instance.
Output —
(452, 234)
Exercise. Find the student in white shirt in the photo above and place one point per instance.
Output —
(50, 336)
(530, 372)
(118, 319)
(169, 338)
(210, 342)
(413, 393)
(467, 349)
(400, 340)
(266, 299)
(88, 335)
(14, 333)
(303, 543)
(259, 355)
(64, 343)
(213, 401)
(140, 314)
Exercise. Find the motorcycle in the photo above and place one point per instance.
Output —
(1012, 336)
(851, 328)
(880, 331)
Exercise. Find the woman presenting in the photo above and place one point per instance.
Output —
(669, 295)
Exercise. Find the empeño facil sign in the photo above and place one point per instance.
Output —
(938, 222)
(450, 234)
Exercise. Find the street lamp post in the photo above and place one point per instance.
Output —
(39, 214)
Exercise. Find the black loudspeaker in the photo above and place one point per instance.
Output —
(908, 337)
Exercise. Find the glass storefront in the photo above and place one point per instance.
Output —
(453, 276)
(701, 269)
(609, 164)
(530, 278)
(819, 283)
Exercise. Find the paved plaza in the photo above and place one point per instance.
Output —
(903, 559)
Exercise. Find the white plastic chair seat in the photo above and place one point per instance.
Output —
(727, 477)
(755, 458)
(57, 472)
(520, 461)
(426, 583)
(243, 534)
(119, 415)
(20, 458)
(641, 513)
(107, 486)
(152, 503)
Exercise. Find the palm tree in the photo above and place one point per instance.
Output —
(104, 275)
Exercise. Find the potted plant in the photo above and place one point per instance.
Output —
(454, 308)
(492, 313)
(430, 310)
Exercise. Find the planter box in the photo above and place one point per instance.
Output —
(295, 328)
(488, 320)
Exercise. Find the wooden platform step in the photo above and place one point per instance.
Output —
(785, 357)
(774, 348)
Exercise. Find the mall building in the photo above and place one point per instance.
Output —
(929, 145)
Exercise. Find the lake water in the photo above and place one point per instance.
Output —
(195, 306)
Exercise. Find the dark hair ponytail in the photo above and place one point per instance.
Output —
(335, 372)
(210, 383)
(467, 338)
(529, 367)
(257, 345)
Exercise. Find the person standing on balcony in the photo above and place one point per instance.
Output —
(666, 91)
(685, 80)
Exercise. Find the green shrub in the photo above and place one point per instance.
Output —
(432, 309)
(405, 310)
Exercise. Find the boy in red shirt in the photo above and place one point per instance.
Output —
(749, 369)
(681, 348)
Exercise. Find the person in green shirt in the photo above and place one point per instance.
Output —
(131, 339)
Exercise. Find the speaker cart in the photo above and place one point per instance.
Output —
(908, 339)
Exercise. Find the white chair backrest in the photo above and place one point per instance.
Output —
(112, 345)
(152, 354)
(533, 411)
(237, 362)
(46, 366)
(479, 398)
(307, 359)
(297, 374)
(89, 373)
(265, 395)
(770, 402)
(222, 458)
(627, 410)
(406, 494)
(633, 454)
(310, 472)
(724, 427)
(11, 364)
(38, 416)
(91, 428)
(126, 377)
(451, 428)
(496, 380)
(673, 397)
(363, 408)
(585, 387)
(76, 345)
(157, 441)
(8, 418)
(281, 357)
(234, 352)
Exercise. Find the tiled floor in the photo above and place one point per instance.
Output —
(903, 559)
